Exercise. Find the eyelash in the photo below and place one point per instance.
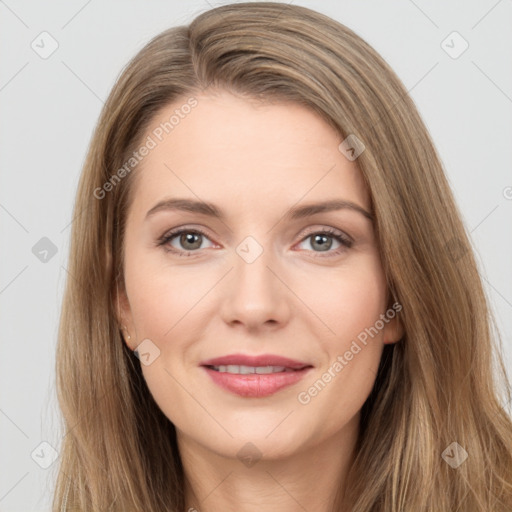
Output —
(345, 241)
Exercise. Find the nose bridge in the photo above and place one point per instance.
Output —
(256, 295)
(252, 275)
(252, 267)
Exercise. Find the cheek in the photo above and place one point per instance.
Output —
(152, 305)
(347, 300)
(162, 298)
(350, 303)
(162, 305)
(351, 306)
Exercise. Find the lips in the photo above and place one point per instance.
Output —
(255, 376)
(262, 360)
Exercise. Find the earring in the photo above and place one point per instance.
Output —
(127, 335)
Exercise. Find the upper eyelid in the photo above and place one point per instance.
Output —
(335, 231)
(303, 234)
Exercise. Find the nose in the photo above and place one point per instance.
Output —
(255, 295)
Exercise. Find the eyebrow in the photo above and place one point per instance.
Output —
(295, 213)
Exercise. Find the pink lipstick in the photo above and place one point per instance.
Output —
(255, 376)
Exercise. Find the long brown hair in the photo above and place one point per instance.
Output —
(438, 386)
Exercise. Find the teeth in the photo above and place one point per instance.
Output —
(245, 370)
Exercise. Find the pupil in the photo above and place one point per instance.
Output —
(325, 244)
(189, 238)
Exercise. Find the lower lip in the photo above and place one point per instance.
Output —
(256, 385)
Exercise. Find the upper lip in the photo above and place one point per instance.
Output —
(261, 360)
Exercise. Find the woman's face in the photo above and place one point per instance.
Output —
(262, 278)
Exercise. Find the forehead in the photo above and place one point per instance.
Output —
(231, 151)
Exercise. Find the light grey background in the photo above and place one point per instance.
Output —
(50, 107)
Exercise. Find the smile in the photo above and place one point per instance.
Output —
(254, 381)
(247, 370)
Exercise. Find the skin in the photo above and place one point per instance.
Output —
(255, 161)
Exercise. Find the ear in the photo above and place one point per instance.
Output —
(124, 317)
(393, 330)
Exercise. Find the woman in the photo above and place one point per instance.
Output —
(263, 367)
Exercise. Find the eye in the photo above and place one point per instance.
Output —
(322, 242)
(190, 240)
